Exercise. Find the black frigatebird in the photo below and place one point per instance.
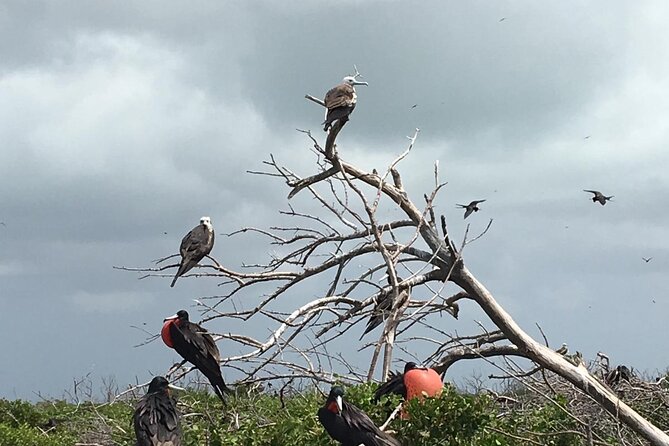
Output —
(156, 418)
(197, 244)
(471, 207)
(598, 196)
(414, 382)
(383, 305)
(340, 100)
(196, 346)
(349, 425)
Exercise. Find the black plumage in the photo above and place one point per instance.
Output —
(197, 244)
(598, 196)
(156, 419)
(471, 207)
(196, 346)
(349, 425)
(384, 304)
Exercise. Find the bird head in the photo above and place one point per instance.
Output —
(351, 80)
(160, 384)
(182, 315)
(335, 401)
(206, 221)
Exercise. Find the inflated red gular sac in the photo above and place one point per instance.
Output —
(415, 382)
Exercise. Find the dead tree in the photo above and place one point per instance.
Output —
(414, 252)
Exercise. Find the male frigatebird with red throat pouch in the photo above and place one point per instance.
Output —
(415, 382)
(196, 346)
(156, 418)
(349, 425)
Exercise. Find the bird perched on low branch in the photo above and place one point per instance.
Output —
(471, 207)
(414, 382)
(598, 196)
(196, 346)
(156, 419)
(340, 100)
(195, 246)
(349, 425)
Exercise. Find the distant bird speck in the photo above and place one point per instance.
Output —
(587, 137)
(414, 106)
(502, 19)
(646, 259)
(471, 207)
(598, 196)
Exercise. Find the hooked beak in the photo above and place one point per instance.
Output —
(174, 316)
(173, 387)
(340, 404)
(360, 83)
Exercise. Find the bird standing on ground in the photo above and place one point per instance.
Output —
(196, 346)
(340, 101)
(471, 207)
(156, 418)
(598, 196)
(197, 244)
(349, 425)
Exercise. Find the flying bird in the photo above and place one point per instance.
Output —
(471, 207)
(415, 382)
(502, 19)
(340, 101)
(156, 418)
(349, 425)
(648, 259)
(196, 346)
(195, 246)
(598, 196)
(414, 106)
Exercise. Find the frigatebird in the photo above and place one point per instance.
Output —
(197, 244)
(471, 207)
(598, 196)
(414, 382)
(196, 346)
(349, 425)
(340, 101)
(646, 259)
(156, 418)
(383, 305)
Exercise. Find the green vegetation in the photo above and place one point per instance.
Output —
(269, 419)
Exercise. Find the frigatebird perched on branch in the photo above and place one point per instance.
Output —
(383, 305)
(156, 418)
(414, 382)
(196, 346)
(598, 196)
(349, 425)
(341, 99)
(471, 207)
(197, 244)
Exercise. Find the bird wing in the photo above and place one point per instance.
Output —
(469, 211)
(197, 347)
(340, 96)
(360, 422)
(394, 384)
(463, 206)
(591, 191)
(475, 202)
(156, 421)
(197, 244)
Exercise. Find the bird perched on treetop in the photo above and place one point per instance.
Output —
(598, 197)
(156, 418)
(471, 207)
(197, 244)
(340, 100)
(349, 425)
(196, 346)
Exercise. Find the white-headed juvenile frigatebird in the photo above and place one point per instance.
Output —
(156, 418)
(195, 246)
(340, 101)
(349, 425)
(196, 346)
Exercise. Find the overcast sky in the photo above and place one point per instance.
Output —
(121, 123)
